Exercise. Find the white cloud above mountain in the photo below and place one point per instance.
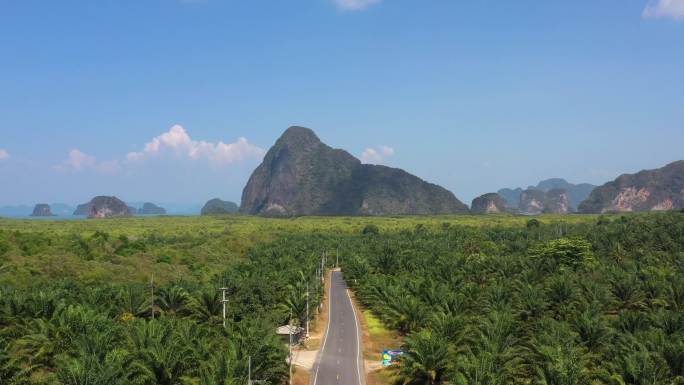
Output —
(177, 141)
(664, 9)
(175, 144)
(377, 155)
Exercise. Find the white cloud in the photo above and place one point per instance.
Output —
(80, 161)
(376, 155)
(659, 9)
(177, 141)
(354, 5)
(4, 154)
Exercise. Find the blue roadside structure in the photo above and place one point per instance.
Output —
(391, 357)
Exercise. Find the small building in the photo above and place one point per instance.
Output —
(284, 333)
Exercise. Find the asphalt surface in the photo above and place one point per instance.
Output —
(339, 362)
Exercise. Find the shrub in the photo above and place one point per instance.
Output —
(370, 230)
(572, 252)
(533, 223)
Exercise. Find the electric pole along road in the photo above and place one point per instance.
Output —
(339, 362)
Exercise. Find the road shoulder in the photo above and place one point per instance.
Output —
(374, 339)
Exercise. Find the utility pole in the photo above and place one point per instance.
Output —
(337, 257)
(289, 328)
(224, 300)
(152, 291)
(249, 370)
(307, 310)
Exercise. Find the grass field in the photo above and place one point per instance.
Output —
(131, 249)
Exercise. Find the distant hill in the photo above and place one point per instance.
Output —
(534, 201)
(511, 196)
(300, 175)
(491, 203)
(149, 208)
(217, 206)
(82, 209)
(42, 210)
(576, 193)
(59, 209)
(104, 207)
(647, 190)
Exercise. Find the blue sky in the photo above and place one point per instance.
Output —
(472, 95)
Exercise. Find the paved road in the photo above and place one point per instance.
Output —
(339, 362)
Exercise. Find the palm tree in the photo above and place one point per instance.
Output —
(173, 301)
(162, 358)
(407, 313)
(426, 359)
(454, 328)
(532, 302)
(133, 300)
(96, 362)
(638, 366)
(626, 291)
(495, 357)
(220, 369)
(205, 305)
(296, 298)
(593, 331)
(557, 360)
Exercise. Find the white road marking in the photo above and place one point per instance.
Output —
(358, 340)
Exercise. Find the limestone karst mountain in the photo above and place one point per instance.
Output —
(534, 201)
(42, 210)
(300, 175)
(107, 207)
(82, 209)
(217, 206)
(490, 203)
(149, 208)
(647, 190)
(576, 193)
